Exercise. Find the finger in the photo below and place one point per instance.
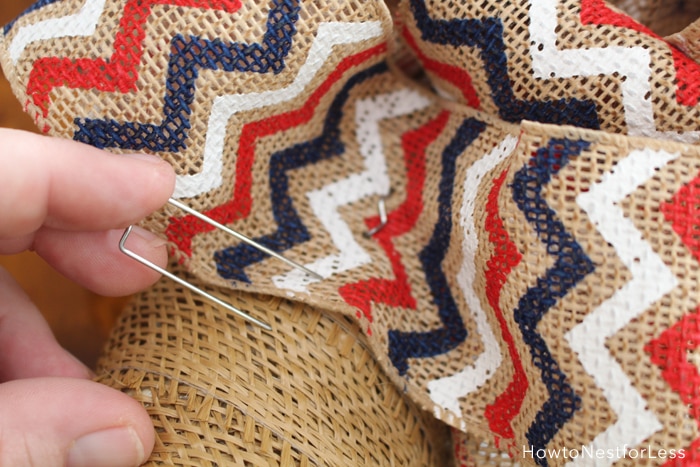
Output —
(28, 348)
(59, 421)
(63, 184)
(93, 259)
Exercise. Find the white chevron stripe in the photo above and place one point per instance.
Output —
(651, 280)
(445, 391)
(83, 23)
(224, 107)
(631, 63)
(373, 181)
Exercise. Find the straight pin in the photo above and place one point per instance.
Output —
(184, 283)
(383, 219)
(243, 238)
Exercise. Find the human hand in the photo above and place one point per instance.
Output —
(70, 203)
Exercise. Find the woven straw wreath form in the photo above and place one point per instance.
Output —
(533, 295)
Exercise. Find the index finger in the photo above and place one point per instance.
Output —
(68, 185)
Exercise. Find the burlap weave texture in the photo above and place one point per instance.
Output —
(538, 161)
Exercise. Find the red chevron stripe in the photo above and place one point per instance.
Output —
(120, 72)
(669, 352)
(397, 292)
(182, 229)
(683, 212)
(450, 73)
(506, 256)
(687, 71)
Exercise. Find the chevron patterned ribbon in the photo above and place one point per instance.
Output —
(535, 286)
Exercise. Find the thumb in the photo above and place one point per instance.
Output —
(72, 422)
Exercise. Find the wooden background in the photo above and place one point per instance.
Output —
(80, 319)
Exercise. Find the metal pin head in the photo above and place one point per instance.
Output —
(189, 285)
(383, 219)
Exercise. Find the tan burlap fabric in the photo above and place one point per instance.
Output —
(534, 287)
(688, 40)
(221, 392)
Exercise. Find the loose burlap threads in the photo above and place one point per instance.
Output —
(221, 392)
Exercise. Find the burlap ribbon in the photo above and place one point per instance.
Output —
(534, 288)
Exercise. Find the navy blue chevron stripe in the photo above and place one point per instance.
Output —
(571, 266)
(33, 7)
(487, 35)
(415, 344)
(291, 230)
(188, 56)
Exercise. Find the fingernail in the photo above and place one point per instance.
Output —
(144, 157)
(149, 238)
(115, 447)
